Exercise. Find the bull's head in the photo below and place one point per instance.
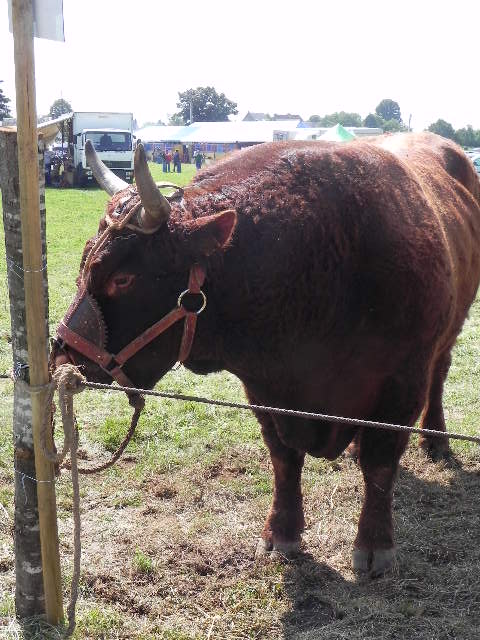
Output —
(148, 251)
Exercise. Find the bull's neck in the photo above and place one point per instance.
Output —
(233, 320)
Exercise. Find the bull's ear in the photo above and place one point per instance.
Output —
(212, 233)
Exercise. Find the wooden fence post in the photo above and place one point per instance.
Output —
(35, 309)
(29, 596)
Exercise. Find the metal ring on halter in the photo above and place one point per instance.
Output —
(204, 304)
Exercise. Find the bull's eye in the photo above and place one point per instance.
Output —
(123, 281)
(119, 283)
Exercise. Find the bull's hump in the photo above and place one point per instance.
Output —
(253, 162)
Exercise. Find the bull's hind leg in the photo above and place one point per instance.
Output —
(433, 416)
(379, 455)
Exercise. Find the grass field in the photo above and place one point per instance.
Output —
(169, 533)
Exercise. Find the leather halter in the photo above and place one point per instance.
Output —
(84, 313)
(113, 363)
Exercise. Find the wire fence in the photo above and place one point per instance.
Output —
(355, 422)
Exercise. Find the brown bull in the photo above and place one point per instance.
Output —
(337, 278)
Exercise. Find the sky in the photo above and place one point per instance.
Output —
(299, 57)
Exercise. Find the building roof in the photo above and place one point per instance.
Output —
(221, 132)
(157, 133)
(251, 115)
(325, 133)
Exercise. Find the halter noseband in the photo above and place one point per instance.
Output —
(85, 315)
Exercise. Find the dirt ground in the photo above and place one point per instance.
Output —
(171, 555)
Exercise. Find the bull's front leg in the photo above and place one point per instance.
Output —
(285, 521)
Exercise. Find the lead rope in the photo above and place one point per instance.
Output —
(69, 381)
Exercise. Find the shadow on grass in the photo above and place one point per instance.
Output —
(307, 583)
(37, 628)
(433, 594)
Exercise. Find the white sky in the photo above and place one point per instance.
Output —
(307, 57)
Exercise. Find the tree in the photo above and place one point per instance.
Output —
(442, 128)
(4, 108)
(175, 120)
(206, 105)
(59, 107)
(393, 126)
(468, 137)
(389, 110)
(151, 123)
(344, 118)
(374, 120)
(29, 598)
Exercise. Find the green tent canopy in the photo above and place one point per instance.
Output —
(338, 134)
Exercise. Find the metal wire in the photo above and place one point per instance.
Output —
(286, 412)
(356, 422)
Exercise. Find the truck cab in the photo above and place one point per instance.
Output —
(113, 146)
(112, 136)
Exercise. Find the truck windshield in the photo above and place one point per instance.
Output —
(110, 140)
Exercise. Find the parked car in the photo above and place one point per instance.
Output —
(476, 163)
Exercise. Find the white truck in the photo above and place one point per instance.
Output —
(112, 136)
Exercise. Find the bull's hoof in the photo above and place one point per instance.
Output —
(436, 449)
(374, 563)
(269, 549)
(352, 451)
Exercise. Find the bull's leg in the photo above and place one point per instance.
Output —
(433, 416)
(285, 522)
(352, 450)
(374, 550)
(379, 455)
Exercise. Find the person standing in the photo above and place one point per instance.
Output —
(168, 159)
(198, 160)
(176, 162)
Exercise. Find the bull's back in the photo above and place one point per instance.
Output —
(366, 225)
(452, 188)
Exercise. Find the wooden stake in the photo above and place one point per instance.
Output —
(22, 20)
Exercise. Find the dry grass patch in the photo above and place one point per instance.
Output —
(179, 561)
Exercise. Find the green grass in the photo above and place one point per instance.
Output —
(142, 563)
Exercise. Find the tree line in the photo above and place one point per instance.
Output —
(387, 116)
(205, 104)
(466, 136)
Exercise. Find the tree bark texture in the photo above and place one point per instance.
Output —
(29, 594)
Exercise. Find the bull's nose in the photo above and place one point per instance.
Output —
(61, 359)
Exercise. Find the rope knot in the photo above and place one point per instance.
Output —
(69, 379)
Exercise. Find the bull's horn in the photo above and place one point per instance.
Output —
(156, 208)
(106, 179)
